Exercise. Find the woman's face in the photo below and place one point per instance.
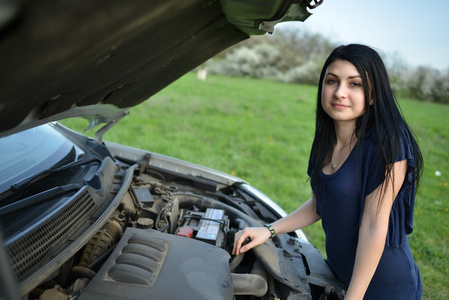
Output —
(343, 97)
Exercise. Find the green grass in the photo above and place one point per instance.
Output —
(261, 131)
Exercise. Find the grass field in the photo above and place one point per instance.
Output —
(261, 131)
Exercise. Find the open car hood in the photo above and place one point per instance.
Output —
(98, 58)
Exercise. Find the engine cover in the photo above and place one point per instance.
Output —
(147, 264)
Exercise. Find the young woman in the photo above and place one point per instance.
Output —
(364, 170)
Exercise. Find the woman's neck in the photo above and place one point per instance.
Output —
(345, 135)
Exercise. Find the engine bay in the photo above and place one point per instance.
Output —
(168, 235)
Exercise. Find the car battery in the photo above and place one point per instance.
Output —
(209, 226)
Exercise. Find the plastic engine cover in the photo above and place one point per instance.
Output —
(147, 264)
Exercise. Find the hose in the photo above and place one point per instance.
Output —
(254, 283)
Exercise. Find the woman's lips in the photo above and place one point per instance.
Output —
(339, 106)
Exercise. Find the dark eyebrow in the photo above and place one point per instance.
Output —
(350, 77)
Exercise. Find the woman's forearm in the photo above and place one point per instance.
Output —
(304, 216)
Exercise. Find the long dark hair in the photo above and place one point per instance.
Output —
(384, 117)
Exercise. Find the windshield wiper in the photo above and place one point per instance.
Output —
(28, 180)
(38, 198)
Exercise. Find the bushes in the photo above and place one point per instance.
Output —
(259, 61)
(426, 84)
(286, 56)
(297, 57)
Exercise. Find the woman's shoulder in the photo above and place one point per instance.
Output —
(405, 148)
(389, 148)
(372, 141)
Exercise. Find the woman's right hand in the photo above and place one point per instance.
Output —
(257, 235)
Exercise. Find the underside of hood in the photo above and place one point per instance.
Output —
(59, 56)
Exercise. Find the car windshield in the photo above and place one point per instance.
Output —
(32, 151)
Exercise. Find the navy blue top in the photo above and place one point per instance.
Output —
(340, 200)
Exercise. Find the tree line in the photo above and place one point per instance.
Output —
(297, 57)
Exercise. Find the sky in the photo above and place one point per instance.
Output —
(415, 31)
